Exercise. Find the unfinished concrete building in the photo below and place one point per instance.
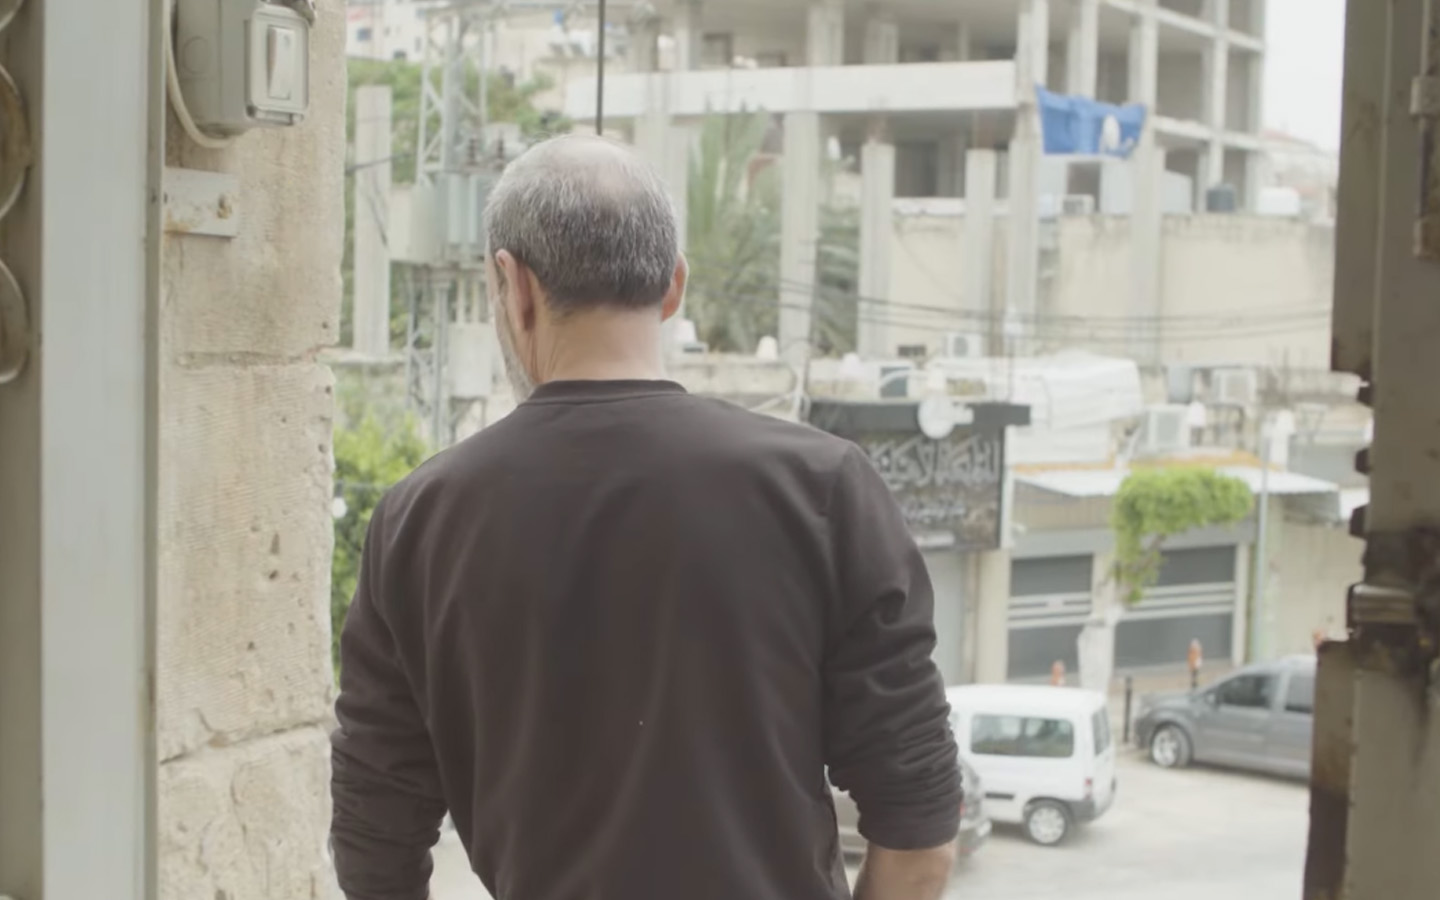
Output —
(937, 100)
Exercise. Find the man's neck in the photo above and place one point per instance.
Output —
(606, 347)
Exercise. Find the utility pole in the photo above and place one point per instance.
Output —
(370, 319)
(450, 335)
(452, 171)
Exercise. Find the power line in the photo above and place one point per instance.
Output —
(921, 317)
(1278, 314)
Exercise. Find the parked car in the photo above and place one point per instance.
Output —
(974, 825)
(1260, 718)
(1044, 754)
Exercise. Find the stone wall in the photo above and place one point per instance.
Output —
(244, 675)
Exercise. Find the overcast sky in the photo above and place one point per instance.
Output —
(1302, 82)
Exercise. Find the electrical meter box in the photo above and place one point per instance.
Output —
(242, 64)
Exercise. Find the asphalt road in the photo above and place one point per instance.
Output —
(1193, 835)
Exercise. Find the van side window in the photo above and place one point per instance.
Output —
(1300, 695)
(1247, 691)
(1022, 736)
(1100, 724)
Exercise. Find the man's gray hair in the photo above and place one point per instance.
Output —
(591, 219)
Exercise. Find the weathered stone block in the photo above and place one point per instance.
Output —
(245, 544)
(247, 823)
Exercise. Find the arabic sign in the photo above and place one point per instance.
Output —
(952, 485)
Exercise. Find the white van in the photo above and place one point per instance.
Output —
(1044, 754)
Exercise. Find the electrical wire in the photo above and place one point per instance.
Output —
(177, 97)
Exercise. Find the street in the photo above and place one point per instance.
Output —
(1199, 834)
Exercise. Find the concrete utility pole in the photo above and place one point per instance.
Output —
(1026, 156)
(1375, 792)
(1147, 166)
(370, 319)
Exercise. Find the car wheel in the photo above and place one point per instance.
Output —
(1170, 748)
(1047, 823)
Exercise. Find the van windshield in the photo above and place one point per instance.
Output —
(992, 735)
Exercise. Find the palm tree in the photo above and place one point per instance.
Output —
(734, 234)
(734, 244)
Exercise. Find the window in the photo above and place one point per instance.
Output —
(1300, 695)
(919, 53)
(1017, 736)
(364, 33)
(1247, 691)
(717, 51)
(1100, 723)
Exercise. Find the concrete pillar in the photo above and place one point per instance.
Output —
(1216, 93)
(949, 577)
(1025, 160)
(992, 616)
(977, 274)
(1146, 247)
(825, 33)
(370, 312)
(881, 48)
(877, 226)
(1096, 644)
(667, 146)
(1255, 163)
(882, 42)
(644, 47)
(1083, 50)
(964, 43)
(799, 230)
(689, 29)
(1144, 55)
(1039, 27)
(1146, 166)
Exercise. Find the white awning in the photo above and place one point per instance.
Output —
(1092, 483)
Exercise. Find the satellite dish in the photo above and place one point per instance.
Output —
(937, 417)
(1110, 135)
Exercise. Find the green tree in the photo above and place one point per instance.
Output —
(372, 452)
(1155, 504)
(733, 243)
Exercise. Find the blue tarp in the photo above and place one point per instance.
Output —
(1076, 126)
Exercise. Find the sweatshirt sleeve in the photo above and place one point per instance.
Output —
(887, 734)
(386, 789)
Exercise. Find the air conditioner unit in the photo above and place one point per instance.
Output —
(1077, 205)
(960, 345)
(1166, 429)
(1233, 387)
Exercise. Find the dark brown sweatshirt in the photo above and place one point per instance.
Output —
(621, 636)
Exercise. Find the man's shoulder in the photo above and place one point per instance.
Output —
(757, 432)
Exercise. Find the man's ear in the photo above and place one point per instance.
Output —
(517, 290)
(675, 296)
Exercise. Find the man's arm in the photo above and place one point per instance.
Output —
(887, 731)
(905, 874)
(386, 790)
